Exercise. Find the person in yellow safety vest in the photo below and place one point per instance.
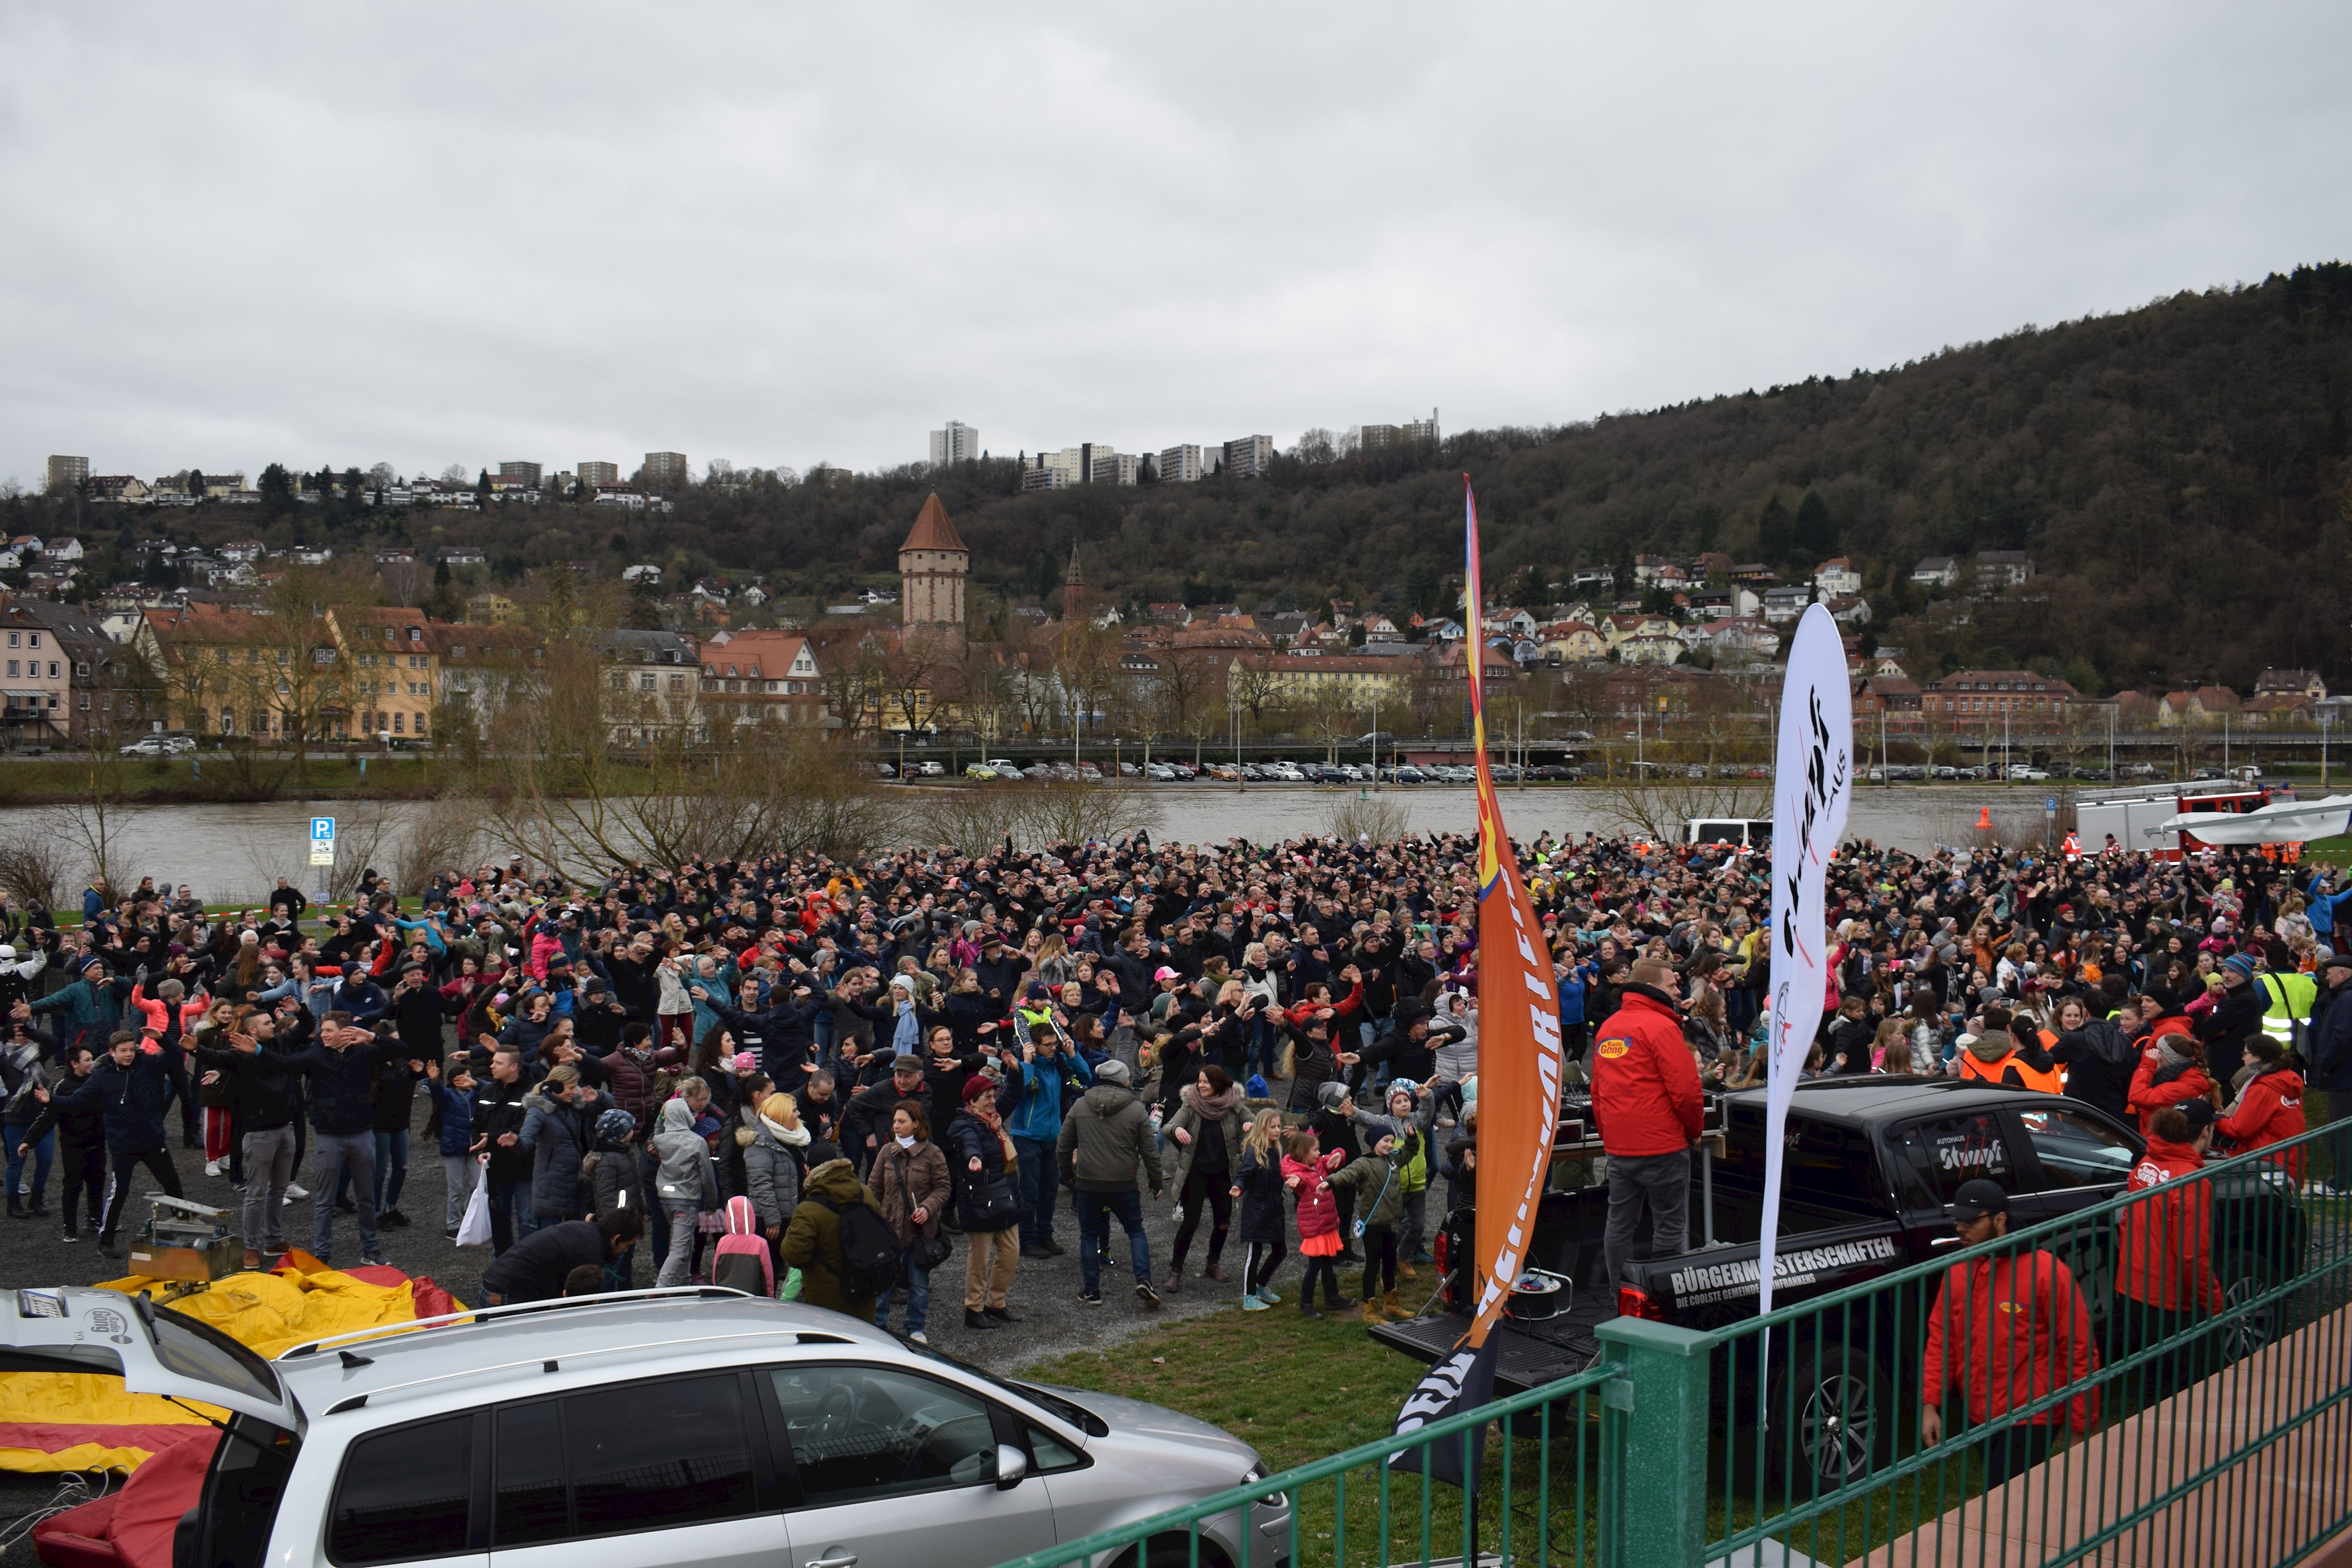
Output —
(2016, 1058)
(2291, 996)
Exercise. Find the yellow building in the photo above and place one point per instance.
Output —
(233, 671)
(1297, 679)
(392, 669)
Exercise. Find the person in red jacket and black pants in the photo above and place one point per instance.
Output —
(1646, 1096)
(2008, 1330)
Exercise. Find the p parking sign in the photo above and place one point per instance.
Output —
(322, 840)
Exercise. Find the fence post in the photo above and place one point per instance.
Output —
(1652, 1445)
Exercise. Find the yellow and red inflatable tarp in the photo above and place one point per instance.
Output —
(87, 1421)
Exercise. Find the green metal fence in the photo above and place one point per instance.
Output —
(2216, 1433)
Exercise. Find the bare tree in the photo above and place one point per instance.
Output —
(32, 868)
(1375, 818)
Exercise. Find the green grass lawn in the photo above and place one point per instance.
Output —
(1299, 1390)
(218, 776)
(2329, 851)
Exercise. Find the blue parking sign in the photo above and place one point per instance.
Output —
(323, 829)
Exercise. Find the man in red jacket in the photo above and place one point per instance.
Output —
(2009, 1330)
(1646, 1096)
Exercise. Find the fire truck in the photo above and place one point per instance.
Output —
(2139, 818)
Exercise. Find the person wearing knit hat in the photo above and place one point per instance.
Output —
(981, 1161)
(2236, 1017)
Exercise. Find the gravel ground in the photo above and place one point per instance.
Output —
(1045, 1295)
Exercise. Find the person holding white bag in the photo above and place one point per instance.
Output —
(452, 1087)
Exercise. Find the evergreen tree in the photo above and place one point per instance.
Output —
(1816, 530)
(1775, 533)
(277, 492)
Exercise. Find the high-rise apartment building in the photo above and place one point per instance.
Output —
(1180, 466)
(68, 473)
(959, 443)
(1248, 456)
(594, 474)
(527, 473)
(1412, 432)
(664, 471)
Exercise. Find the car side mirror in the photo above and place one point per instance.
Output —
(1012, 1466)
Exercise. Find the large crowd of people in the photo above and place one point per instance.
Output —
(831, 1076)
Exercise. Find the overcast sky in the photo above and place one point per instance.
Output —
(432, 233)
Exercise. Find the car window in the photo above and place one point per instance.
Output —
(1941, 1154)
(635, 1456)
(2076, 1150)
(1049, 1451)
(868, 1431)
(651, 1456)
(529, 1502)
(1828, 1163)
(405, 1494)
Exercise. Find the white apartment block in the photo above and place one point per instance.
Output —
(1180, 466)
(1248, 456)
(959, 443)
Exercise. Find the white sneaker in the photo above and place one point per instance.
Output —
(211, 1167)
(296, 1189)
(918, 1337)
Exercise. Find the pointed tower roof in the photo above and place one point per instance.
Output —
(932, 530)
(1071, 579)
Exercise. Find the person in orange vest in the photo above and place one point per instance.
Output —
(2165, 1287)
(2017, 1059)
(2009, 1330)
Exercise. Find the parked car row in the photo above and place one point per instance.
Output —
(1280, 772)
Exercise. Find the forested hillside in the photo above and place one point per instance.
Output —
(2178, 473)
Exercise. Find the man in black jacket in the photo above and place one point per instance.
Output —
(533, 1269)
(783, 1037)
(265, 1105)
(131, 1091)
(2331, 1066)
(2236, 1018)
(500, 1107)
(2098, 1056)
(866, 1121)
(341, 1069)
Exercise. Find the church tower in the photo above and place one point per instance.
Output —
(932, 565)
(1073, 590)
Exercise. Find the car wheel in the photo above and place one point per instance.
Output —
(1839, 1407)
(1174, 1552)
(2245, 1276)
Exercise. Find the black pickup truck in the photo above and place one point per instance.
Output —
(1871, 1163)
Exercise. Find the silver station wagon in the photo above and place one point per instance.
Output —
(643, 1430)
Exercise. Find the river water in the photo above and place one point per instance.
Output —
(234, 853)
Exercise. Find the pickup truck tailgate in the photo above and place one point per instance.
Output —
(1531, 1354)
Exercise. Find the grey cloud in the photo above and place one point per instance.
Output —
(457, 233)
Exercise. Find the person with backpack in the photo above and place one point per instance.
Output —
(742, 1261)
(981, 1159)
(910, 1182)
(839, 1239)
